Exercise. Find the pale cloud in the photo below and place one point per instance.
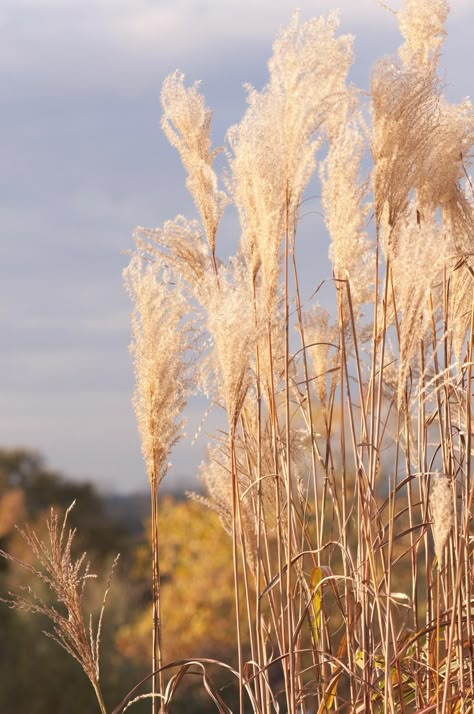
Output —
(107, 42)
(118, 45)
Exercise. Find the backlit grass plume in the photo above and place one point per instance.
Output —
(160, 338)
(442, 512)
(273, 147)
(187, 124)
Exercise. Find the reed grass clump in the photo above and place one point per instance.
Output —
(339, 421)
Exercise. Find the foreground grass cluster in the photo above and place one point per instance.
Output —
(344, 474)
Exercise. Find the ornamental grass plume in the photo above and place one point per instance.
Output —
(187, 124)
(420, 141)
(461, 301)
(273, 147)
(419, 254)
(442, 513)
(230, 324)
(405, 124)
(179, 244)
(323, 345)
(422, 24)
(420, 145)
(160, 339)
(344, 200)
(344, 195)
(405, 106)
(66, 578)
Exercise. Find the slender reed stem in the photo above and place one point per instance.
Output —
(235, 558)
(100, 699)
(157, 657)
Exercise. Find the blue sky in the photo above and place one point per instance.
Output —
(83, 161)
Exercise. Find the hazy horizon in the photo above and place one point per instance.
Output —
(85, 162)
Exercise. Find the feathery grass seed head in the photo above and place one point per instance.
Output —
(231, 325)
(66, 578)
(422, 25)
(160, 339)
(274, 145)
(187, 123)
(442, 513)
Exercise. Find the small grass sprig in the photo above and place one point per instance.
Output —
(66, 578)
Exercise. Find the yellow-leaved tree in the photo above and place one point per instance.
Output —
(197, 587)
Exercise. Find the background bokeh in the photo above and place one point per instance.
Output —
(83, 161)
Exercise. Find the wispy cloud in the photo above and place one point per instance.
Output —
(118, 45)
(107, 41)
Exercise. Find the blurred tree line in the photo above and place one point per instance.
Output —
(36, 675)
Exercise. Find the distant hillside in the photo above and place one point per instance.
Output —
(131, 511)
